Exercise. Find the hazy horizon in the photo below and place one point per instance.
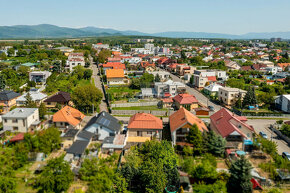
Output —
(210, 16)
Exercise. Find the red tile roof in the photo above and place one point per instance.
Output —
(211, 78)
(18, 137)
(185, 99)
(246, 68)
(222, 121)
(182, 117)
(145, 121)
(283, 65)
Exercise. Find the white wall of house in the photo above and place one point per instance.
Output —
(20, 124)
(102, 132)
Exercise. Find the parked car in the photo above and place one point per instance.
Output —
(264, 135)
(286, 155)
(211, 108)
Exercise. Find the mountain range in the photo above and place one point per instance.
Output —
(53, 31)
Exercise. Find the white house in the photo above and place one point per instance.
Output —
(282, 102)
(103, 125)
(75, 59)
(21, 120)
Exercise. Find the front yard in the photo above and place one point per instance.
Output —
(153, 108)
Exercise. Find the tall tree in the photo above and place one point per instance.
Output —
(85, 97)
(250, 98)
(2, 82)
(42, 110)
(195, 138)
(215, 143)
(239, 181)
(157, 78)
(29, 101)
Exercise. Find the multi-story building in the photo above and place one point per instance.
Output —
(169, 88)
(75, 59)
(282, 103)
(7, 100)
(39, 76)
(230, 96)
(21, 120)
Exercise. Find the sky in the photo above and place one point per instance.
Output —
(215, 16)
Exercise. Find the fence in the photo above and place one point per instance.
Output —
(135, 104)
(132, 112)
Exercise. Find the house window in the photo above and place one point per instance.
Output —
(5, 120)
(48, 103)
(149, 132)
(139, 133)
(15, 128)
(14, 121)
(23, 123)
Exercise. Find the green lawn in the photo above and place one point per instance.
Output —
(153, 108)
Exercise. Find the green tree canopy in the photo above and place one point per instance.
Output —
(215, 143)
(85, 97)
(250, 98)
(240, 179)
(195, 138)
(56, 176)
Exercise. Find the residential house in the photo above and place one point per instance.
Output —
(186, 101)
(282, 103)
(231, 127)
(39, 76)
(169, 88)
(273, 70)
(201, 77)
(163, 75)
(21, 120)
(32, 66)
(280, 75)
(7, 100)
(230, 96)
(68, 137)
(115, 76)
(75, 59)
(83, 139)
(68, 118)
(36, 97)
(148, 93)
(212, 89)
(284, 66)
(114, 143)
(103, 125)
(113, 65)
(61, 98)
(180, 123)
(143, 127)
(232, 65)
(181, 70)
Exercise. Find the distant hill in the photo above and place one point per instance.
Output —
(52, 31)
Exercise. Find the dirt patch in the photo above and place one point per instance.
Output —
(221, 164)
(78, 185)
(257, 161)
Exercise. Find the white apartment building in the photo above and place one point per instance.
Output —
(229, 96)
(75, 59)
(169, 88)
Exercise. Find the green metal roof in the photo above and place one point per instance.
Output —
(30, 64)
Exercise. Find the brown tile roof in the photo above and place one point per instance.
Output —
(59, 97)
(182, 117)
(283, 65)
(145, 121)
(68, 115)
(115, 73)
(185, 99)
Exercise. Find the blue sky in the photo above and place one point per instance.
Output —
(219, 16)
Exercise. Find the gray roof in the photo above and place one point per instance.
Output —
(85, 134)
(20, 113)
(106, 120)
(78, 147)
(34, 95)
(7, 95)
(71, 133)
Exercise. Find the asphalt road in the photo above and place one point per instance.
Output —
(200, 97)
(98, 84)
(263, 125)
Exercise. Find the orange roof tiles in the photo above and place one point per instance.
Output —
(145, 121)
(114, 65)
(283, 65)
(68, 115)
(183, 117)
(185, 99)
(115, 73)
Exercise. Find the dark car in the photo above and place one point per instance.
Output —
(211, 108)
(286, 155)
